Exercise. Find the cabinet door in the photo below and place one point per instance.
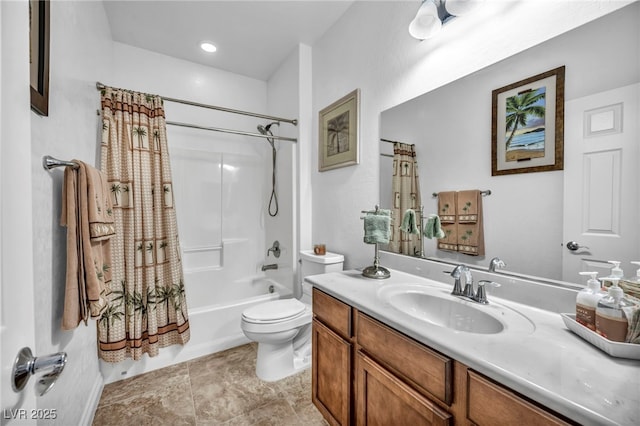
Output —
(331, 375)
(383, 399)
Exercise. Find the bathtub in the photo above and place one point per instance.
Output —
(217, 327)
(214, 327)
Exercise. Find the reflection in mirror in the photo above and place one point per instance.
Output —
(530, 217)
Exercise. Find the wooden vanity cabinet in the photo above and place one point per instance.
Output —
(366, 373)
(331, 368)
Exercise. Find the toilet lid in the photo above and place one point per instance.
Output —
(276, 310)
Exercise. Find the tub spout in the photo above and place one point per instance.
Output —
(271, 266)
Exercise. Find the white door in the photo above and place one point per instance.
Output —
(601, 196)
(16, 263)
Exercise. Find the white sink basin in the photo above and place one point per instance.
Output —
(438, 307)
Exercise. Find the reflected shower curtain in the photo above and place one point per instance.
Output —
(406, 195)
(147, 308)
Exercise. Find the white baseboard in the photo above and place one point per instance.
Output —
(92, 401)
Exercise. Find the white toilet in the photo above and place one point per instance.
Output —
(282, 327)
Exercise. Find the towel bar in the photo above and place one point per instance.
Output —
(486, 192)
(48, 162)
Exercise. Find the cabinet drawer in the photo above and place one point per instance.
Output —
(427, 371)
(333, 313)
(492, 404)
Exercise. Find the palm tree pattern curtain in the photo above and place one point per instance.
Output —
(406, 195)
(147, 308)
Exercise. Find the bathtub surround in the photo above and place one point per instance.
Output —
(147, 306)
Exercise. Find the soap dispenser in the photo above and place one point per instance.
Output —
(611, 321)
(587, 301)
(616, 272)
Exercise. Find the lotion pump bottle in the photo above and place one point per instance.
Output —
(611, 321)
(587, 301)
(616, 272)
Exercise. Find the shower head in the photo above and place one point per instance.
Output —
(265, 129)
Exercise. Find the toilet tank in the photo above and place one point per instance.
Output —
(313, 264)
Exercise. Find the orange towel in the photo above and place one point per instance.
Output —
(88, 215)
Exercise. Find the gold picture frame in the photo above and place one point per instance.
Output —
(39, 18)
(339, 133)
(527, 129)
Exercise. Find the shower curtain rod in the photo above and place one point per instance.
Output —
(235, 132)
(101, 86)
(390, 141)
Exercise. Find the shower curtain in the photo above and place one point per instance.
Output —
(147, 307)
(406, 195)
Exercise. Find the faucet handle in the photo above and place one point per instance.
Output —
(481, 294)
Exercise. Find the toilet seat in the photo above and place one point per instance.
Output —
(274, 311)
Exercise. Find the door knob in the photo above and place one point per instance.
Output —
(573, 246)
(27, 365)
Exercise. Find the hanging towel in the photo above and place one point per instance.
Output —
(467, 206)
(88, 215)
(433, 228)
(447, 206)
(409, 222)
(377, 227)
(470, 226)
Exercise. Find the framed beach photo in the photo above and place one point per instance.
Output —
(527, 129)
(339, 133)
(39, 55)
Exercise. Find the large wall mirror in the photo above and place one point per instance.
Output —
(530, 217)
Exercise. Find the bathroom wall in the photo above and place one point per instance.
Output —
(390, 67)
(81, 53)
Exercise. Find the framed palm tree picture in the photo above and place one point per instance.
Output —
(39, 12)
(527, 130)
(339, 133)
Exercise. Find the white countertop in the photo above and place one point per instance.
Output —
(551, 365)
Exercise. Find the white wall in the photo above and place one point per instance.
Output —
(80, 53)
(390, 67)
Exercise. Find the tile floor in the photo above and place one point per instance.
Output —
(218, 389)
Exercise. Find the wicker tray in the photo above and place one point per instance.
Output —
(616, 349)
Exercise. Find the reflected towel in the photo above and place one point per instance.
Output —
(469, 221)
(86, 202)
(409, 222)
(447, 206)
(377, 227)
(467, 205)
(450, 240)
(433, 228)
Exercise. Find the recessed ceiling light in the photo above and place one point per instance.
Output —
(208, 47)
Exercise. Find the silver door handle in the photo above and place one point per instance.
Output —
(573, 246)
(27, 365)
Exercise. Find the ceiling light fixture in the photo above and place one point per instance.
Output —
(208, 47)
(434, 13)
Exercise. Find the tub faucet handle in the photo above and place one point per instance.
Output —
(275, 248)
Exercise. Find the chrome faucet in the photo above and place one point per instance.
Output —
(479, 296)
(496, 262)
(271, 266)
